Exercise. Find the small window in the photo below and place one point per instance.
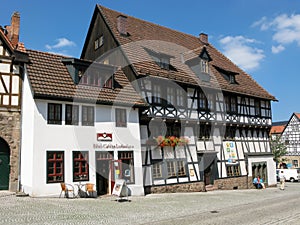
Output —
(202, 101)
(257, 108)
(295, 163)
(204, 66)
(156, 94)
(87, 116)
(54, 113)
(80, 166)
(170, 96)
(99, 42)
(204, 132)
(55, 166)
(157, 170)
(121, 119)
(233, 170)
(180, 97)
(72, 114)
(176, 168)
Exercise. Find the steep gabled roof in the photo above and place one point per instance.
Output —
(50, 79)
(143, 33)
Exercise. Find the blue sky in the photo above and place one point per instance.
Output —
(262, 37)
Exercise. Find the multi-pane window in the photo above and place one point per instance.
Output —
(170, 95)
(230, 133)
(157, 170)
(202, 101)
(98, 42)
(87, 116)
(121, 118)
(72, 114)
(210, 101)
(156, 94)
(265, 109)
(204, 132)
(54, 113)
(233, 170)
(80, 166)
(230, 104)
(257, 108)
(127, 166)
(204, 66)
(55, 166)
(176, 169)
(180, 97)
(260, 169)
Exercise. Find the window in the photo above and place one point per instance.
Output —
(80, 166)
(170, 96)
(204, 66)
(99, 42)
(230, 133)
(295, 163)
(233, 170)
(257, 108)
(204, 132)
(127, 166)
(156, 94)
(54, 113)
(72, 114)
(55, 166)
(230, 104)
(180, 97)
(260, 169)
(202, 101)
(176, 169)
(210, 101)
(157, 170)
(87, 116)
(121, 119)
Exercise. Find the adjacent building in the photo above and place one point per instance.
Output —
(12, 59)
(290, 136)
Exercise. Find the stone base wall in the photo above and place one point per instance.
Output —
(10, 131)
(234, 183)
(173, 188)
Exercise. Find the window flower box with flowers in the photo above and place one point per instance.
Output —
(172, 141)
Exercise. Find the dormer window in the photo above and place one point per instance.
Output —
(204, 66)
(204, 61)
(161, 59)
(228, 75)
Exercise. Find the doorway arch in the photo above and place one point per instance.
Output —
(4, 164)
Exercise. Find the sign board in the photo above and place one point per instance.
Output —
(230, 152)
(104, 136)
(120, 188)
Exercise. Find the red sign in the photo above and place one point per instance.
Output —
(104, 136)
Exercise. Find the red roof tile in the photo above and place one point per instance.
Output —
(50, 78)
(161, 39)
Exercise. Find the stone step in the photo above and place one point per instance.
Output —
(209, 187)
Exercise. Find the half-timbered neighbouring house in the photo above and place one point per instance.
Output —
(12, 59)
(80, 125)
(291, 137)
(208, 121)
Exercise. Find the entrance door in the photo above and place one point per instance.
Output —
(103, 173)
(116, 167)
(4, 165)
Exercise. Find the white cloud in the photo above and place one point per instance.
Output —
(61, 43)
(286, 29)
(240, 50)
(277, 49)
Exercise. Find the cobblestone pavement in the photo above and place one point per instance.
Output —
(215, 207)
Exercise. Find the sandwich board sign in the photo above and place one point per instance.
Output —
(120, 188)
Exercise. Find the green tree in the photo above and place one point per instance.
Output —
(278, 148)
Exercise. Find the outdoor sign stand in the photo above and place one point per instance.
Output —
(120, 189)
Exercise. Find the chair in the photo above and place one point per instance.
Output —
(89, 188)
(66, 188)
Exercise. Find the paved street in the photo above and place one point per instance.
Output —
(270, 206)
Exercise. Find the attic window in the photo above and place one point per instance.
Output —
(228, 75)
(161, 59)
(99, 42)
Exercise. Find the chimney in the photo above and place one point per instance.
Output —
(203, 38)
(14, 29)
(122, 24)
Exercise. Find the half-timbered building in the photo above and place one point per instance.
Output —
(291, 137)
(12, 59)
(208, 121)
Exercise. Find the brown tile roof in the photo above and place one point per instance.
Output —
(161, 39)
(277, 129)
(298, 115)
(50, 78)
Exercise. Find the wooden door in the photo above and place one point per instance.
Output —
(4, 165)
